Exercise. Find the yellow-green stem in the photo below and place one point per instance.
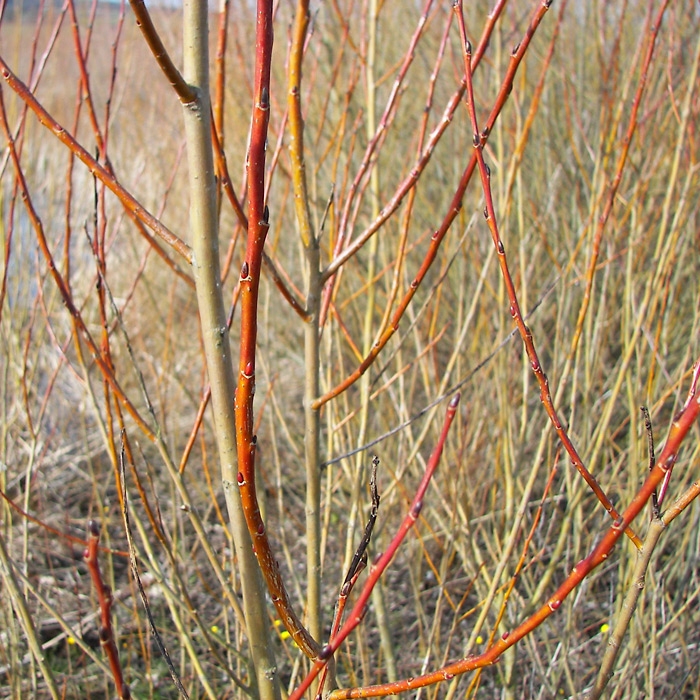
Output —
(205, 264)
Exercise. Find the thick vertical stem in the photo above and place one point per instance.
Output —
(311, 332)
(373, 250)
(312, 446)
(629, 605)
(205, 265)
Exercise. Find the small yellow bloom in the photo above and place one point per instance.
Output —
(214, 629)
(479, 640)
(605, 627)
(71, 640)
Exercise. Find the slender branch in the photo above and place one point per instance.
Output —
(383, 560)
(220, 70)
(131, 205)
(296, 122)
(516, 313)
(309, 241)
(655, 512)
(612, 192)
(186, 93)
(86, 94)
(357, 565)
(361, 551)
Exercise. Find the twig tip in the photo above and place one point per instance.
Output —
(93, 528)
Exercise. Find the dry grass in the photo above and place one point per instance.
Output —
(639, 340)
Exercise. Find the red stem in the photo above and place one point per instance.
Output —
(258, 226)
(104, 597)
(679, 429)
(377, 569)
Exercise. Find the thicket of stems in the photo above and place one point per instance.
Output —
(307, 309)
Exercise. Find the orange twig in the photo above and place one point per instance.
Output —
(132, 206)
